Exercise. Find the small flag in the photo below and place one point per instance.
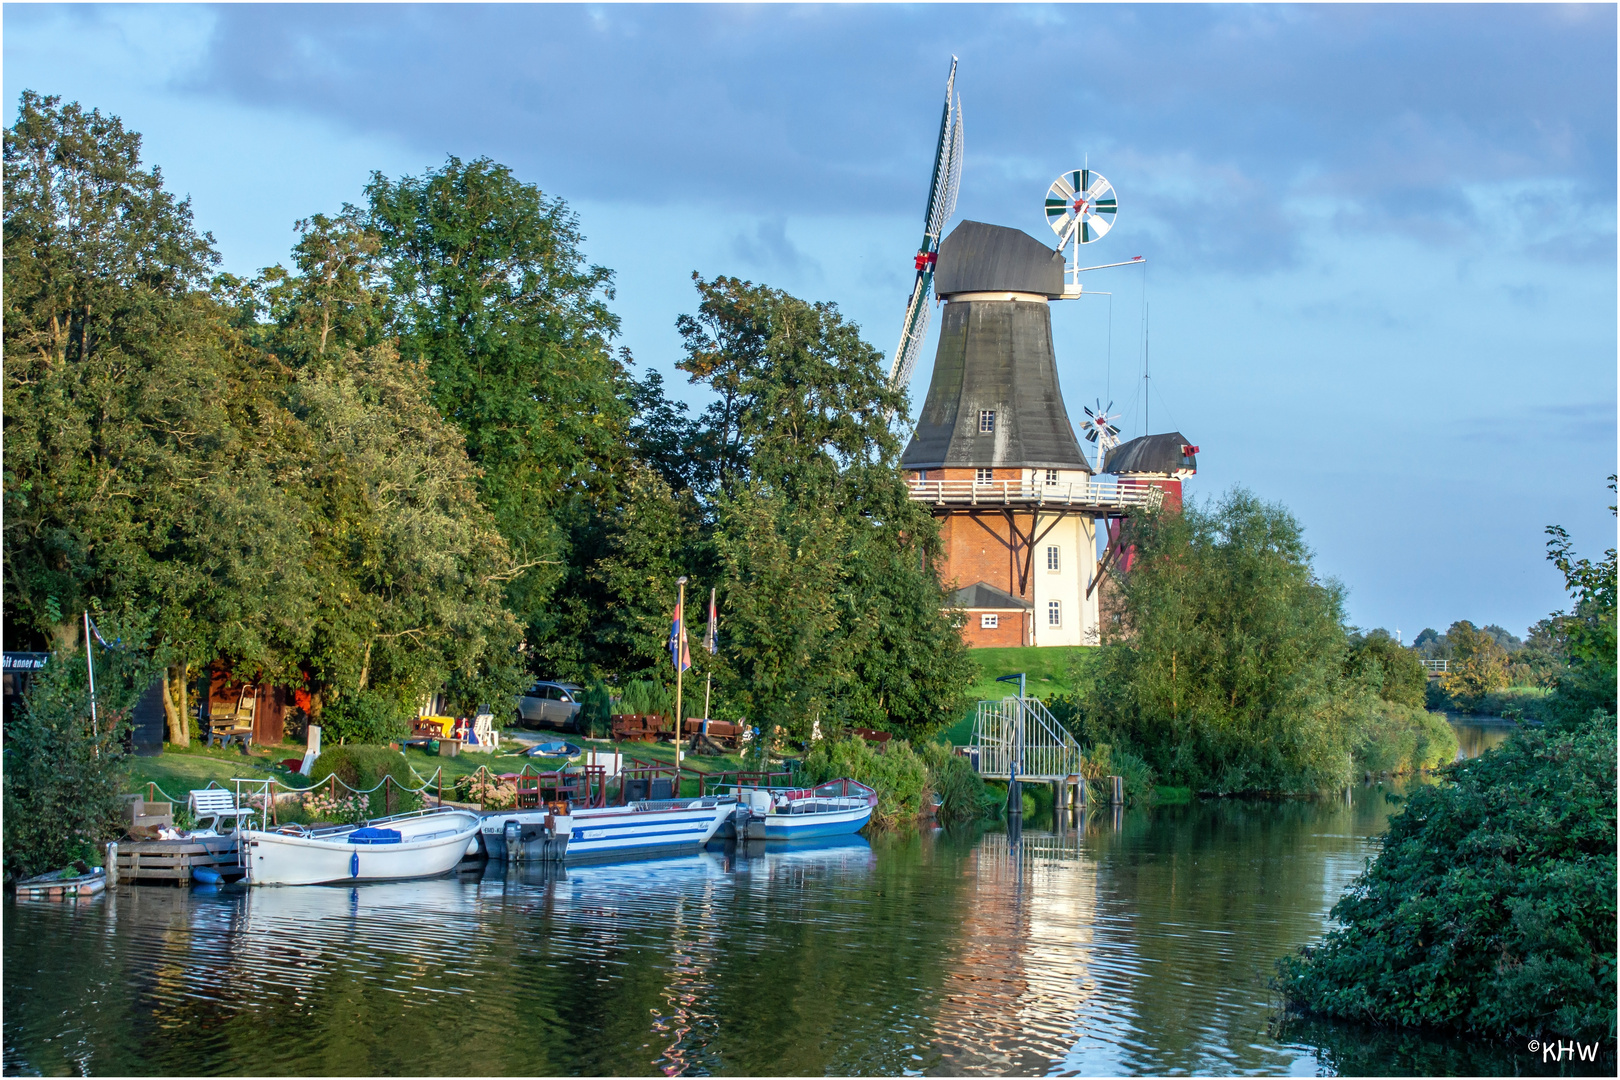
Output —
(95, 632)
(711, 637)
(679, 654)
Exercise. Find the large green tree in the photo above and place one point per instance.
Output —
(489, 289)
(136, 424)
(829, 608)
(1225, 670)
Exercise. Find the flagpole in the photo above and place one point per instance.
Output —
(90, 663)
(680, 635)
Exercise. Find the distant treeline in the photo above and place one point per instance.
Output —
(414, 460)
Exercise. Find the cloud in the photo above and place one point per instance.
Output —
(1228, 131)
(769, 249)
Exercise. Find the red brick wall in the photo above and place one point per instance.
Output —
(1011, 632)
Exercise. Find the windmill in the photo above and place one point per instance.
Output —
(1080, 207)
(1100, 429)
(941, 205)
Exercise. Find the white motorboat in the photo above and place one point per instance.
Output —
(641, 828)
(836, 808)
(422, 844)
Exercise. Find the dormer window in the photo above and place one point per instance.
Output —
(987, 421)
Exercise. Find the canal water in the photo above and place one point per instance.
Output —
(1139, 942)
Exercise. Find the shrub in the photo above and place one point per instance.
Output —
(1392, 738)
(364, 767)
(897, 774)
(1103, 760)
(322, 805)
(951, 779)
(365, 717)
(645, 697)
(596, 709)
(1491, 906)
(487, 790)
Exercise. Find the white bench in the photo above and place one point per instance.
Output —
(216, 807)
(484, 731)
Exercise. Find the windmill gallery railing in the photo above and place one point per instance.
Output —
(1021, 731)
(1084, 495)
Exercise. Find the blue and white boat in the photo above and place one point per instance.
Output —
(836, 808)
(648, 827)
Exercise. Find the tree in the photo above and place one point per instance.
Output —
(1394, 673)
(1225, 673)
(1587, 634)
(490, 291)
(830, 607)
(1477, 666)
(136, 421)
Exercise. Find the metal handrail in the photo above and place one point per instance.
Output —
(1115, 494)
(1022, 732)
(1439, 666)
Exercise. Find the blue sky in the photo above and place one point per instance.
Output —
(1380, 241)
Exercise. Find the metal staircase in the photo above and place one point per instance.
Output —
(1020, 731)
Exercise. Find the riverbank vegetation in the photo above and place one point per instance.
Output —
(1228, 668)
(1491, 905)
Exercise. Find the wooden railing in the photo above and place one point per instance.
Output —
(1093, 494)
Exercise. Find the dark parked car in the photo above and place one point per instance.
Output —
(549, 705)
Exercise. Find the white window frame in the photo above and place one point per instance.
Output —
(987, 421)
(983, 476)
(1054, 562)
(1051, 476)
(1054, 613)
(989, 621)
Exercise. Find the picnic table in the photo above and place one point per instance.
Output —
(721, 731)
(640, 728)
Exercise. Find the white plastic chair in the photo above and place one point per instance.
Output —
(216, 806)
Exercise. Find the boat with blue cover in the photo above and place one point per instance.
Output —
(421, 844)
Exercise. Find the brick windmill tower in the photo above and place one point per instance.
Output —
(994, 452)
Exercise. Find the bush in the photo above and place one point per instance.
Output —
(645, 697)
(1102, 761)
(596, 709)
(487, 790)
(898, 774)
(1491, 907)
(62, 773)
(365, 717)
(364, 767)
(1390, 738)
(961, 792)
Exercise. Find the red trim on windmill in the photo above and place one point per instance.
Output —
(926, 260)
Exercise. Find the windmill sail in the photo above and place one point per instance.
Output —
(941, 205)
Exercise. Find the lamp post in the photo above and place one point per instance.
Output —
(1015, 793)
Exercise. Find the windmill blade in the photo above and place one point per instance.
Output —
(912, 332)
(942, 189)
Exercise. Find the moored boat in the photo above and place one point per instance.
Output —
(638, 829)
(836, 808)
(422, 844)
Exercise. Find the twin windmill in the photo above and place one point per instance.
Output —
(993, 452)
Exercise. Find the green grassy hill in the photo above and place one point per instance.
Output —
(1047, 671)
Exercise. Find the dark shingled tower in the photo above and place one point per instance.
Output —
(995, 355)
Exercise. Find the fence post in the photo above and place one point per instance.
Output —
(388, 795)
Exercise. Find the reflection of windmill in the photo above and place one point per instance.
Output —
(1100, 429)
(941, 205)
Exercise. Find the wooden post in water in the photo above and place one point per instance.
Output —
(109, 863)
(1118, 793)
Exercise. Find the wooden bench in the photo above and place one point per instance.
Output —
(722, 731)
(633, 727)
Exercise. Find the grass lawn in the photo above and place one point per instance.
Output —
(178, 771)
(1047, 671)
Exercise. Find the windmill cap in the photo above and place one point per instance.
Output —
(977, 257)
(1168, 453)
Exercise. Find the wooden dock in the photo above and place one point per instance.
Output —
(164, 861)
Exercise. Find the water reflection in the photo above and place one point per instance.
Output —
(1138, 942)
